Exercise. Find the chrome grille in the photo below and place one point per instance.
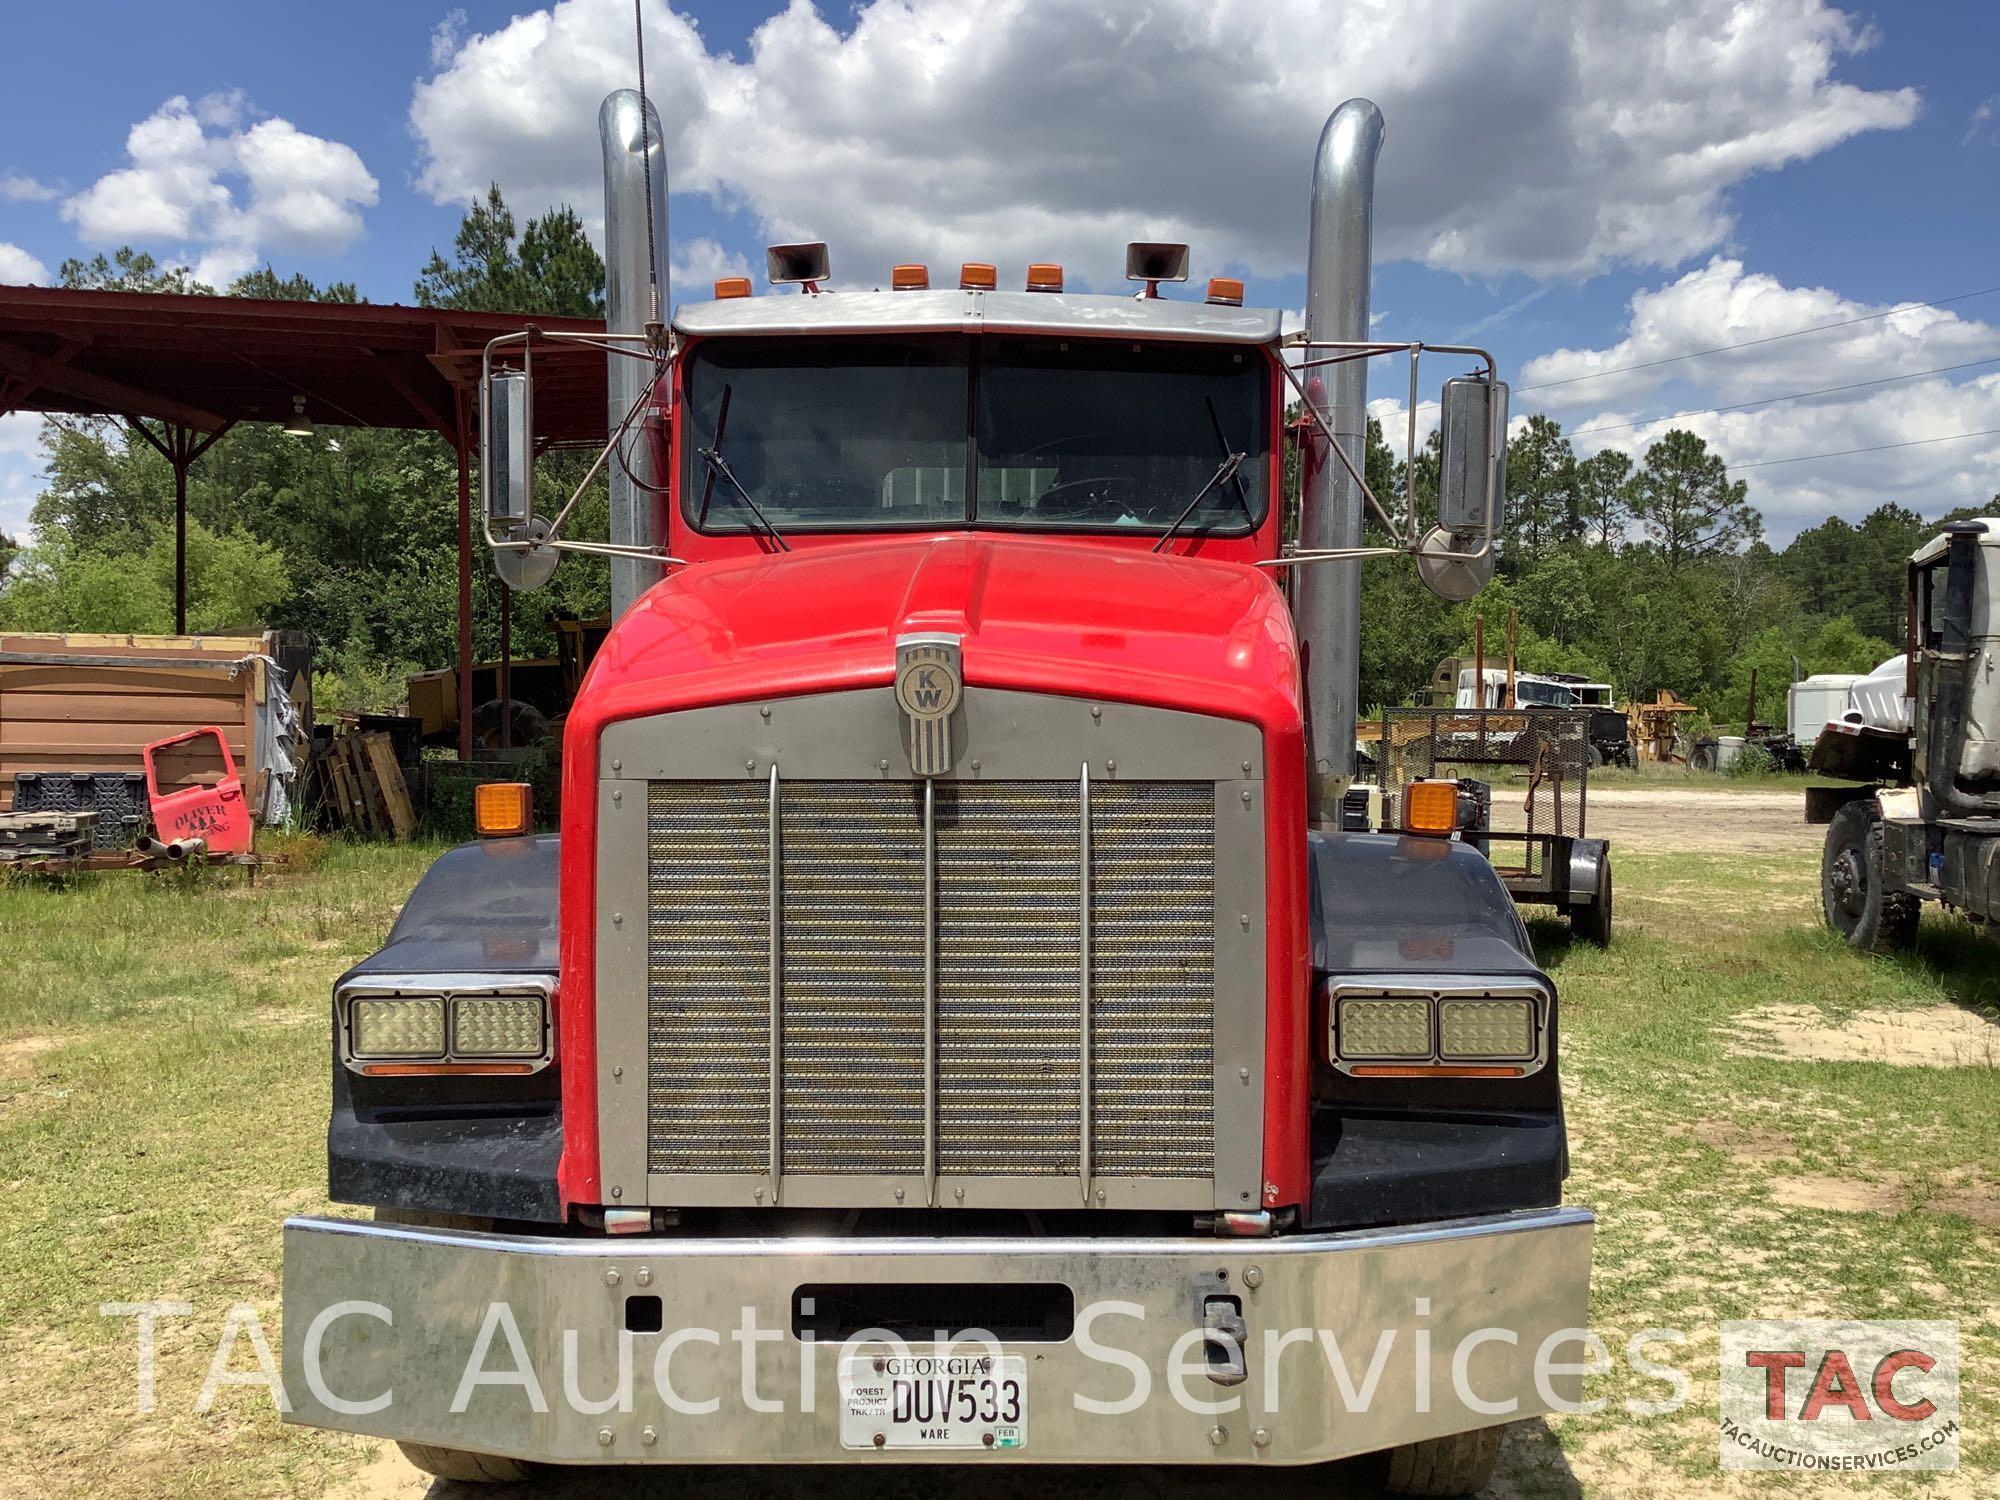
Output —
(708, 1037)
(944, 1007)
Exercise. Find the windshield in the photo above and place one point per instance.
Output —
(1547, 694)
(1092, 434)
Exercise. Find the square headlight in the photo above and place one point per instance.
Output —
(1384, 1027)
(400, 1026)
(1486, 1030)
(498, 1025)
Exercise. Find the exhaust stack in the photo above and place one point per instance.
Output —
(1326, 599)
(634, 265)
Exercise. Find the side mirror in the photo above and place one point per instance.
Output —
(506, 451)
(1472, 472)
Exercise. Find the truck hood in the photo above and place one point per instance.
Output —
(1033, 614)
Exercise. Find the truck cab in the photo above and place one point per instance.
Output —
(1919, 816)
(943, 960)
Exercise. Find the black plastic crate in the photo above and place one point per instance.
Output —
(117, 797)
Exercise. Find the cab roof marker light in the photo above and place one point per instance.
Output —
(1045, 276)
(1225, 291)
(977, 276)
(731, 286)
(912, 277)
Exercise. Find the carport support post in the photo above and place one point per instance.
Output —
(180, 449)
(464, 414)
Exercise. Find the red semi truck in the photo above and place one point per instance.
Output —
(951, 1024)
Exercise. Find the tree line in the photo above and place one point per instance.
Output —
(1648, 570)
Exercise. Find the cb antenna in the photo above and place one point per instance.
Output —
(646, 162)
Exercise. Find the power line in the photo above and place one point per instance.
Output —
(1751, 343)
(1952, 437)
(1825, 390)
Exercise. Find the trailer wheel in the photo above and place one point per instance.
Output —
(463, 1468)
(1592, 922)
(1460, 1464)
(1702, 758)
(1854, 890)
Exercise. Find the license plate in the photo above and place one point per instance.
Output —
(933, 1401)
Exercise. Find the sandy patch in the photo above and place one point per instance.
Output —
(1841, 1195)
(1936, 1036)
(1744, 1142)
(17, 1056)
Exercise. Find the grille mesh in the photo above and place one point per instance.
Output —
(1007, 1046)
(707, 962)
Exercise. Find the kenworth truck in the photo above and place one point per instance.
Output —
(949, 1026)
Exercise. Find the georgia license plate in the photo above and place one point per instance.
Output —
(933, 1401)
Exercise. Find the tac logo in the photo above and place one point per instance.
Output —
(929, 685)
(1834, 1397)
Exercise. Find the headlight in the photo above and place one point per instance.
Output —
(445, 1023)
(1385, 1028)
(402, 1027)
(1405, 1029)
(1471, 1030)
(497, 1025)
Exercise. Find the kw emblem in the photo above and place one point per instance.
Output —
(929, 685)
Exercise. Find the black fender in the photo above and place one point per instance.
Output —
(1389, 1151)
(482, 1146)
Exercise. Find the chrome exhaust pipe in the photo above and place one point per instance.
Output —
(1326, 599)
(635, 268)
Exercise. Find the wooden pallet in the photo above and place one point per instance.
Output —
(368, 792)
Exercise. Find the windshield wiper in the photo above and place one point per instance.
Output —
(717, 464)
(1225, 473)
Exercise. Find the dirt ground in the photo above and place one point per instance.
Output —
(1677, 821)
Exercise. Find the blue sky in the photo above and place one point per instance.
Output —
(1861, 177)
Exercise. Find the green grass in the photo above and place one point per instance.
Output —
(163, 1082)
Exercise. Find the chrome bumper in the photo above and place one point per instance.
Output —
(376, 1311)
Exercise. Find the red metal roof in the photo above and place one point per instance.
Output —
(202, 362)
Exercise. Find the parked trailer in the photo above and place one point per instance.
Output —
(951, 933)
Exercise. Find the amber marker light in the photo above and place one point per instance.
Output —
(1226, 291)
(977, 276)
(910, 278)
(1385, 1070)
(732, 286)
(1045, 276)
(502, 809)
(428, 1069)
(1430, 808)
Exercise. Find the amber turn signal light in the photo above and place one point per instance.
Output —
(1430, 808)
(910, 278)
(501, 809)
(977, 276)
(732, 286)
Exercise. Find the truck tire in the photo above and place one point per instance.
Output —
(464, 1468)
(1702, 758)
(1855, 896)
(1457, 1465)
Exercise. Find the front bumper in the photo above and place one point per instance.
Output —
(403, 1332)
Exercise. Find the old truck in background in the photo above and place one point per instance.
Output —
(948, 930)
(1922, 820)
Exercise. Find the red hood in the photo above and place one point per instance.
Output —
(1035, 614)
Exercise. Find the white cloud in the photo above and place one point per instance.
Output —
(1557, 138)
(1979, 121)
(698, 262)
(18, 188)
(19, 268)
(1722, 303)
(20, 471)
(225, 194)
